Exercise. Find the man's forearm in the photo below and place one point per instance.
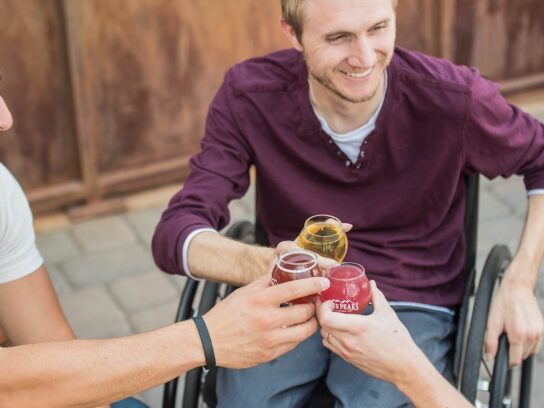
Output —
(215, 257)
(88, 373)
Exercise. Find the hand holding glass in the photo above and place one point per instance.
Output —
(323, 234)
(295, 263)
(349, 289)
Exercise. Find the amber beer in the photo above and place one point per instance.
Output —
(294, 264)
(323, 235)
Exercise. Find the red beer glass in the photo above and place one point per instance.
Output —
(349, 289)
(295, 263)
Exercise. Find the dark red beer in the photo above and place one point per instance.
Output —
(294, 264)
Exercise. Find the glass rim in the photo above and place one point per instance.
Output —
(358, 266)
(283, 254)
(324, 216)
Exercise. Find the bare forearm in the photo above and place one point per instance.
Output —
(425, 387)
(214, 257)
(88, 373)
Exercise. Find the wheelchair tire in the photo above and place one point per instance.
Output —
(184, 312)
(500, 386)
(243, 231)
(191, 389)
(193, 378)
(209, 297)
(496, 262)
(526, 380)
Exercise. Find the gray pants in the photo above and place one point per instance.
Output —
(288, 381)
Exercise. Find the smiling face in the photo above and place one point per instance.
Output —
(347, 45)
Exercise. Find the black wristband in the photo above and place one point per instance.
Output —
(206, 342)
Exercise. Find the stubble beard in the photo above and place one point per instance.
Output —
(323, 80)
(327, 83)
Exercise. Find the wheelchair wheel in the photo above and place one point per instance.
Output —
(500, 389)
(184, 312)
(496, 263)
(526, 379)
(193, 378)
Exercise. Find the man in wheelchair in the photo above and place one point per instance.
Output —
(350, 125)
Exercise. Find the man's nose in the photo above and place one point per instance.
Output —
(5, 116)
(362, 54)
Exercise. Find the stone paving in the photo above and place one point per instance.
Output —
(108, 284)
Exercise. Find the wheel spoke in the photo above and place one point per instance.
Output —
(486, 368)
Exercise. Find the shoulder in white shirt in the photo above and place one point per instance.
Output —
(18, 253)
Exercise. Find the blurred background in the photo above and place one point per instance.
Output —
(109, 99)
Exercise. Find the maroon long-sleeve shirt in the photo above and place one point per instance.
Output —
(405, 195)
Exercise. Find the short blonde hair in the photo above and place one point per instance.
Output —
(291, 13)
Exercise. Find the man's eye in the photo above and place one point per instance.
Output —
(336, 38)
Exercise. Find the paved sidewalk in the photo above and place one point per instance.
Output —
(109, 286)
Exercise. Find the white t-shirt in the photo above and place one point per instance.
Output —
(18, 253)
(350, 143)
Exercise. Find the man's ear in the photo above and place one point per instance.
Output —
(290, 34)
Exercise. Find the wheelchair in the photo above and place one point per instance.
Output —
(481, 384)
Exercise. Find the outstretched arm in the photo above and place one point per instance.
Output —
(380, 345)
(215, 257)
(246, 329)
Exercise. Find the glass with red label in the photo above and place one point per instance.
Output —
(349, 289)
(295, 263)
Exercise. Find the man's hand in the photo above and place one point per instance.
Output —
(515, 310)
(378, 344)
(251, 320)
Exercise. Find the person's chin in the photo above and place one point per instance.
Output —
(357, 92)
(356, 97)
